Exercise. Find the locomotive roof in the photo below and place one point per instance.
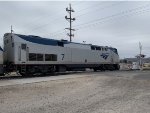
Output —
(40, 40)
(54, 42)
(47, 41)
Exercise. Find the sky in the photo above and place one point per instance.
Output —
(119, 24)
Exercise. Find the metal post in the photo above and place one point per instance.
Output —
(11, 29)
(70, 10)
(140, 62)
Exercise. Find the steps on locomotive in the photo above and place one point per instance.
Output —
(23, 69)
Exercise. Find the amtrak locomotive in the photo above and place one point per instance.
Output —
(28, 54)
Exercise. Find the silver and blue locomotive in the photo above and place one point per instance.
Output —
(30, 54)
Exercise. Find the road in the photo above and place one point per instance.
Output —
(88, 92)
(14, 80)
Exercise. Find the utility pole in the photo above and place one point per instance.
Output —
(11, 29)
(140, 47)
(70, 19)
(140, 56)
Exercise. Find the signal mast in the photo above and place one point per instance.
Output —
(70, 20)
(140, 56)
(11, 29)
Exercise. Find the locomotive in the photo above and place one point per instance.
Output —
(29, 54)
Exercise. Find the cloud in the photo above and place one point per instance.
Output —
(123, 31)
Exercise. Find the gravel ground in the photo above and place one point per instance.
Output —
(99, 92)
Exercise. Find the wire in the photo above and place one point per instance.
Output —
(125, 16)
(41, 17)
(102, 8)
(95, 22)
(114, 15)
(129, 15)
(94, 10)
(55, 19)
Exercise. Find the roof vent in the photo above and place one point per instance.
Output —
(64, 40)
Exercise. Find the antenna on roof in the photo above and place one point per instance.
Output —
(11, 29)
(84, 42)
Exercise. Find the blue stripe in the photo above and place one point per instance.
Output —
(114, 50)
(40, 40)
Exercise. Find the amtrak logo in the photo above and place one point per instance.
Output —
(104, 55)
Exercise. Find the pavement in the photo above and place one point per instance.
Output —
(14, 80)
(82, 92)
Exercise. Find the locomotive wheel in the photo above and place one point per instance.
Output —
(94, 69)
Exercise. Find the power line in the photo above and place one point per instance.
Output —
(95, 5)
(125, 16)
(41, 17)
(53, 21)
(140, 12)
(101, 8)
(92, 10)
(38, 20)
(112, 16)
